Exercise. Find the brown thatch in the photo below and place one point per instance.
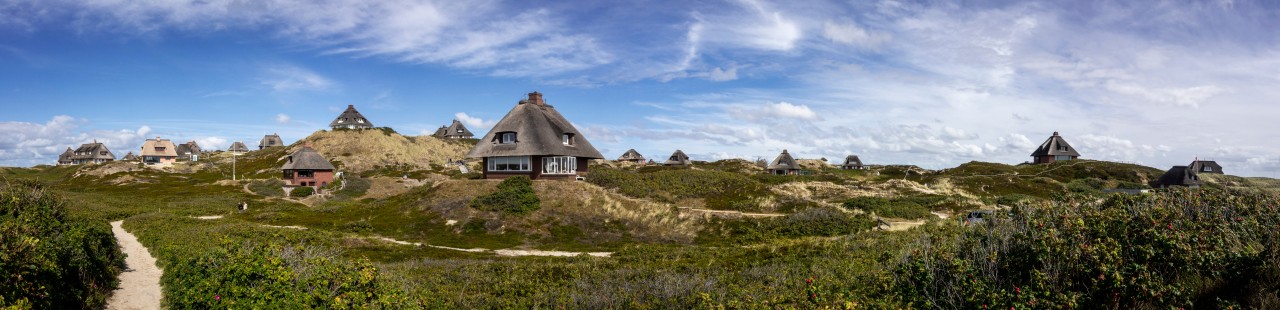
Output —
(852, 162)
(238, 147)
(65, 158)
(784, 162)
(90, 153)
(306, 158)
(1178, 176)
(271, 140)
(188, 149)
(351, 119)
(1205, 166)
(538, 129)
(1053, 148)
(129, 157)
(678, 158)
(159, 148)
(455, 131)
(631, 155)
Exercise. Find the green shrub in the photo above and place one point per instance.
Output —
(302, 192)
(904, 208)
(269, 188)
(355, 187)
(719, 189)
(825, 222)
(514, 196)
(51, 260)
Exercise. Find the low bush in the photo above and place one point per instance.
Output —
(825, 222)
(52, 260)
(901, 207)
(269, 187)
(302, 192)
(514, 196)
(719, 189)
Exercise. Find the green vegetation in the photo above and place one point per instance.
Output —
(52, 259)
(514, 196)
(900, 207)
(302, 192)
(268, 187)
(824, 222)
(719, 189)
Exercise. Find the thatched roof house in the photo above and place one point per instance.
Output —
(1178, 176)
(678, 158)
(454, 131)
(1205, 166)
(784, 164)
(92, 153)
(306, 167)
(351, 119)
(159, 152)
(190, 151)
(238, 148)
(1054, 149)
(65, 158)
(271, 140)
(632, 156)
(129, 157)
(852, 162)
(533, 139)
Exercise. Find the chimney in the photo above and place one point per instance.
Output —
(536, 98)
(351, 106)
(1055, 133)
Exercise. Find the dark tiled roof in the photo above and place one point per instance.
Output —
(1055, 146)
(678, 158)
(1178, 176)
(456, 130)
(539, 130)
(238, 147)
(852, 160)
(307, 159)
(631, 155)
(270, 140)
(784, 162)
(351, 117)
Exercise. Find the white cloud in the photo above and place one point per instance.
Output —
(213, 143)
(282, 118)
(852, 34)
(789, 110)
(283, 78)
(25, 144)
(475, 124)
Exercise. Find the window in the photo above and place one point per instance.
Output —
(567, 139)
(342, 120)
(1062, 157)
(159, 149)
(360, 120)
(306, 174)
(459, 130)
(1208, 169)
(560, 165)
(514, 163)
(507, 137)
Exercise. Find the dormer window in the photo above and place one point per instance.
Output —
(507, 137)
(360, 120)
(567, 139)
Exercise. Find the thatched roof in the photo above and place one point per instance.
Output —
(129, 157)
(631, 155)
(306, 158)
(678, 158)
(784, 162)
(456, 130)
(1178, 176)
(1205, 166)
(440, 132)
(65, 158)
(351, 119)
(159, 147)
(539, 130)
(189, 148)
(270, 140)
(1055, 146)
(92, 151)
(238, 147)
(852, 161)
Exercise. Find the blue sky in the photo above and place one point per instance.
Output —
(930, 83)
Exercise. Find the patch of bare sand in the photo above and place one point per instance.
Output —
(140, 281)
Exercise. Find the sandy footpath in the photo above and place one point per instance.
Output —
(140, 281)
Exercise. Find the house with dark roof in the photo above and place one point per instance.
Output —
(1205, 166)
(306, 167)
(129, 157)
(159, 152)
(454, 131)
(271, 140)
(1178, 176)
(350, 119)
(534, 140)
(92, 153)
(1054, 149)
(852, 162)
(238, 148)
(677, 158)
(189, 151)
(632, 156)
(65, 158)
(784, 164)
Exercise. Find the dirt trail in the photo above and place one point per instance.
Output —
(140, 281)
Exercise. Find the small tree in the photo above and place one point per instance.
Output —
(515, 195)
(302, 191)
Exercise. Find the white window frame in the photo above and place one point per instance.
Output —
(1206, 169)
(1062, 157)
(505, 163)
(559, 165)
(507, 137)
